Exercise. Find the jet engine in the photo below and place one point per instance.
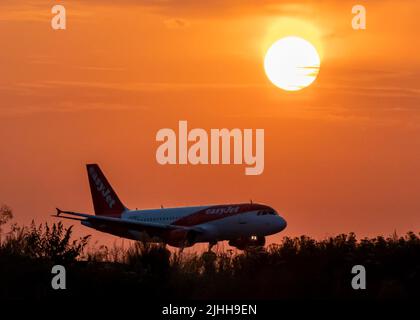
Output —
(181, 238)
(243, 243)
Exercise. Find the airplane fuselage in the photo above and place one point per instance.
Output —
(220, 222)
(214, 223)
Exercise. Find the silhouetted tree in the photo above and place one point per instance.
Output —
(6, 215)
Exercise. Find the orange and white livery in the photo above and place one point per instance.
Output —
(243, 225)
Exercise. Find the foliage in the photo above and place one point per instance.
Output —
(44, 242)
(5, 215)
(297, 268)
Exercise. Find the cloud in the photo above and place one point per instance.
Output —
(37, 11)
(41, 9)
(176, 23)
(216, 8)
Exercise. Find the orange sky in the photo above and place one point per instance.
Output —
(342, 155)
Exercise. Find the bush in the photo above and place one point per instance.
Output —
(44, 242)
(296, 268)
(5, 215)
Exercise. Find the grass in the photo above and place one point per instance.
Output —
(297, 268)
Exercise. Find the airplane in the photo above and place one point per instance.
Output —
(244, 225)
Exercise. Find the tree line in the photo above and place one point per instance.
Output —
(296, 268)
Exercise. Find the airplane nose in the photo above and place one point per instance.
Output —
(282, 223)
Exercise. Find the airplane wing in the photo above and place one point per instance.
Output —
(149, 227)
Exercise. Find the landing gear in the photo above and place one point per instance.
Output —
(209, 256)
(211, 244)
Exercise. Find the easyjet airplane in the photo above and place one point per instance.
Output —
(243, 225)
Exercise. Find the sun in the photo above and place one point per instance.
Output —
(292, 63)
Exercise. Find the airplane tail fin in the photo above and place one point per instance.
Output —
(105, 200)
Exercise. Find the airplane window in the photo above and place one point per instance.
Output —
(266, 211)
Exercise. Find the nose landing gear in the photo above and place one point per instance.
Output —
(211, 244)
